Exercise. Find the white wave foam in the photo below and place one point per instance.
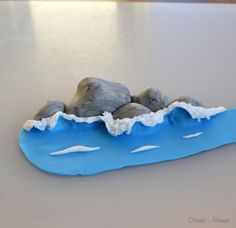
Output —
(118, 127)
(192, 135)
(74, 149)
(144, 148)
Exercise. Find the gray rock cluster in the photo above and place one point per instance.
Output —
(188, 100)
(151, 98)
(94, 96)
(130, 110)
(50, 108)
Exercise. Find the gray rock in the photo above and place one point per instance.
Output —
(51, 107)
(130, 110)
(94, 96)
(151, 98)
(188, 100)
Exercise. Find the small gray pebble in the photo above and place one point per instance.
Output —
(95, 96)
(151, 98)
(130, 110)
(188, 100)
(51, 107)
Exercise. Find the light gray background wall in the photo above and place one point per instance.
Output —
(47, 47)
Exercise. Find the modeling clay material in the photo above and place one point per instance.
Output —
(177, 131)
(144, 148)
(192, 135)
(74, 149)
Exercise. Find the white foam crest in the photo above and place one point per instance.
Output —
(118, 127)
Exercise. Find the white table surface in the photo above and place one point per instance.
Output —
(47, 47)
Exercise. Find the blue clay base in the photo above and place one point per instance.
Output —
(114, 152)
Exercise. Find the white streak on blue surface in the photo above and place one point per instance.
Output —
(192, 135)
(74, 149)
(144, 148)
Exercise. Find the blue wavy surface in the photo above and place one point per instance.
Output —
(114, 152)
